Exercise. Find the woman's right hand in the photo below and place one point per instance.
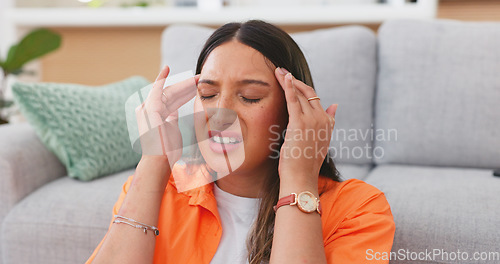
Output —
(157, 117)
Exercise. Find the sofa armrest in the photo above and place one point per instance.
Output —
(25, 164)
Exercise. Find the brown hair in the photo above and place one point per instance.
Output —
(282, 51)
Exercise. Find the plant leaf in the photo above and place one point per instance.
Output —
(37, 43)
(12, 51)
(10, 54)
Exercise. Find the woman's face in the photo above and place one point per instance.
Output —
(242, 98)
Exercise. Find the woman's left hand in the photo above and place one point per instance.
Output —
(308, 133)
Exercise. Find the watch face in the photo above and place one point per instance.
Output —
(306, 202)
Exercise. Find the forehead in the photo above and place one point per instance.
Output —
(234, 57)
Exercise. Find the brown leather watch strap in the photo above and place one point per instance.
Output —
(292, 200)
(285, 201)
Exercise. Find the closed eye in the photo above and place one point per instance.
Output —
(250, 100)
(247, 100)
(203, 98)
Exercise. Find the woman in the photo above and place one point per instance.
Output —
(257, 71)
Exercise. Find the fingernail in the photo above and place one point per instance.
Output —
(285, 71)
(288, 76)
(282, 71)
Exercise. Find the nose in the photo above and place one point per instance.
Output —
(224, 115)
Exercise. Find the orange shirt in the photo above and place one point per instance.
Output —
(357, 222)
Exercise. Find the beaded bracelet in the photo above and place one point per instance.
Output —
(137, 224)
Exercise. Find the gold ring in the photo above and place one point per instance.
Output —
(313, 98)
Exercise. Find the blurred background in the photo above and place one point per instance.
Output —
(107, 40)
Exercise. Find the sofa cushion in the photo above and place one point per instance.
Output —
(83, 126)
(62, 222)
(441, 208)
(439, 88)
(343, 65)
(25, 165)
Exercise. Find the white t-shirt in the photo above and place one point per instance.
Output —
(237, 216)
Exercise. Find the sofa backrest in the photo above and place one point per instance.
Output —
(343, 65)
(439, 88)
(342, 61)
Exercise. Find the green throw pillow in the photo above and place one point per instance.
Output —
(84, 126)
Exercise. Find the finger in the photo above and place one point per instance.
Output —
(290, 94)
(180, 93)
(304, 104)
(331, 111)
(139, 108)
(280, 75)
(173, 118)
(160, 80)
(292, 102)
(157, 88)
(308, 92)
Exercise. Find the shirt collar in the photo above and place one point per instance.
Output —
(196, 182)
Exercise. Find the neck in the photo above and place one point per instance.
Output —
(245, 184)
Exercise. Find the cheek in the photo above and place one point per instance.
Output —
(279, 111)
(261, 122)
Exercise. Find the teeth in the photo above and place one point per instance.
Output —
(225, 140)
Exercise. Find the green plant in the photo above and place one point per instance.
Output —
(35, 44)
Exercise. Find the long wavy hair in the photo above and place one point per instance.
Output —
(282, 51)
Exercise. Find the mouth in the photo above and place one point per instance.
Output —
(224, 137)
(223, 142)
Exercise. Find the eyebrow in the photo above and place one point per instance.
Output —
(245, 81)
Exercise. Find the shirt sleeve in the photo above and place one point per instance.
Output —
(116, 208)
(365, 234)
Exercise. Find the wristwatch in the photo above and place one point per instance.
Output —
(305, 201)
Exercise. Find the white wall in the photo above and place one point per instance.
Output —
(7, 34)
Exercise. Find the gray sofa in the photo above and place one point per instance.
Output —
(418, 117)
